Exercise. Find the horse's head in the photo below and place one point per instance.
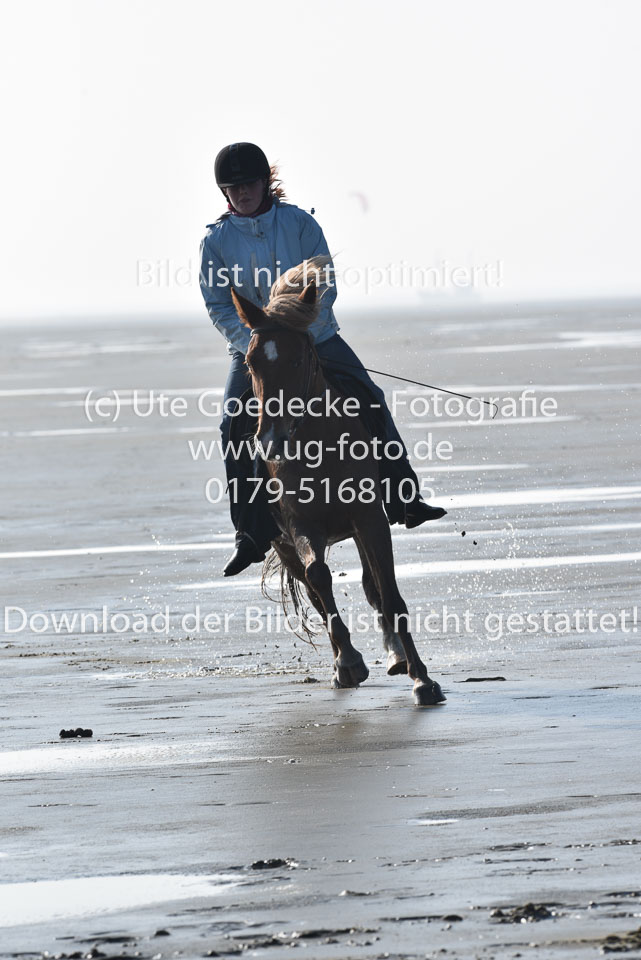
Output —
(282, 362)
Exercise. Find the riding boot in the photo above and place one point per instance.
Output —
(418, 512)
(401, 480)
(245, 553)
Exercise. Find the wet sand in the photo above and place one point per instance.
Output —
(393, 830)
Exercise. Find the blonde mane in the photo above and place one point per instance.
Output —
(284, 305)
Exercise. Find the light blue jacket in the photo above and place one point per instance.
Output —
(235, 249)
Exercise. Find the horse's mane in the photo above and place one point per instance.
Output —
(284, 305)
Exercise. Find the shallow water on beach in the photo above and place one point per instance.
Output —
(230, 801)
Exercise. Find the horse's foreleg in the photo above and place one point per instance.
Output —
(291, 560)
(376, 542)
(396, 662)
(350, 669)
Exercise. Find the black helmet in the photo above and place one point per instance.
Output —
(240, 163)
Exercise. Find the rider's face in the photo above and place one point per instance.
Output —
(247, 197)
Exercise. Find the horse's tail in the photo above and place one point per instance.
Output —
(290, 596)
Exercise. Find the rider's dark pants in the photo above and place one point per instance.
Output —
(255, 519)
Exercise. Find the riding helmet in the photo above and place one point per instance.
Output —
(240, 163)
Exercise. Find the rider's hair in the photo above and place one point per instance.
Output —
(275, 184)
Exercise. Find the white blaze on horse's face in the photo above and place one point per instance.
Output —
(279, 376)
(271, 350)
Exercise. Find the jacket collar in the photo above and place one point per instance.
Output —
(265, 205)
(250, 224)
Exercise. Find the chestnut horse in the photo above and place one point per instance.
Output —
(283, 364)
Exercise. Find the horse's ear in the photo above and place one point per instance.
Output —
(309, 293)
(251, 315)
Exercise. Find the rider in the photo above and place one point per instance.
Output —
(256, 239)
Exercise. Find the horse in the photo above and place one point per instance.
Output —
(314, 511)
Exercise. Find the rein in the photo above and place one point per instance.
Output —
(312, 369)
(418, 383)
(355, 366)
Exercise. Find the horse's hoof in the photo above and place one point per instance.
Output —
(350, 675)
(395, 664)
(427, 694)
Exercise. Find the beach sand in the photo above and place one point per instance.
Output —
(227, 803)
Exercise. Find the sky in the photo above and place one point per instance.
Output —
(502, 138)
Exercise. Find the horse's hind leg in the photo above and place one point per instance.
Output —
(376, 541)
(349, 667)
(396, 661)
